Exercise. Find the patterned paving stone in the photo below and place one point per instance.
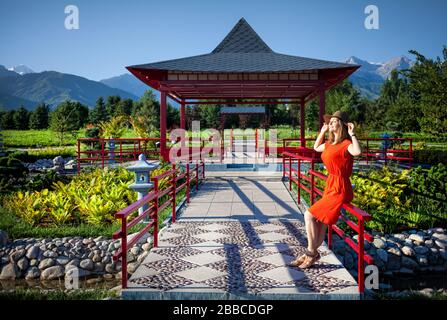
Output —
(203, 258)
(283, 274)
(199, 274)
(243, 256)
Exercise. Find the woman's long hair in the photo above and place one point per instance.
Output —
(343, 134)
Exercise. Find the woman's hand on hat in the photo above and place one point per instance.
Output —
(350, 128)
(324, 128)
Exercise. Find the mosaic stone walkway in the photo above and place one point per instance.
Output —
(233, 241)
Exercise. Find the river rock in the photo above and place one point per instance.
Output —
(146, 246)
(23, 264)
(87, 264)
(110, 268)
(132, 267)
(379, 243)
(441, 244)
(17, 255)
(408, 242)
(9, 272)
(409, 263)
(393, 262)
(50, 254)
(32, 273)
(33, 252)
(46, 263)
(52, 273)
(417, 238)
(382, 254)
(422, 260)
(408, 251)
(62, 260)
(106, 259)
(440, 236)
(75, 273)
(395, 251)
(96, 258)
(33, 262)
(400, 236)
(135, 251)
(420, 250)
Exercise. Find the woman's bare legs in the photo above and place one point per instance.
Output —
(312, 230)
(322, 228)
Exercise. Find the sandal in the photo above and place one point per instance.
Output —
(310, 261)
(298, 261)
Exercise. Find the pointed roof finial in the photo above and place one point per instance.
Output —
(242, 39)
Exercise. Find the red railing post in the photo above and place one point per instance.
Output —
(121, 151)
(361, 262)
(124, 252)
(256, 140)
(155, 217)
(79, 156)
(197, 175)
(290, 173)
(411, 153)
(188, 187)
(283, 166)
(367, 150)
(203, 169)
(102, 152)
(299, 181)
(174, 186)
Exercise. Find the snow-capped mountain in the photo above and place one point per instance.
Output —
(371, 75)
(21, 69)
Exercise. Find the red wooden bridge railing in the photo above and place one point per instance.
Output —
(192, 172)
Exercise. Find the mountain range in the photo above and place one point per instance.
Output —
(370, 76)
(20, 85)
(31, 88)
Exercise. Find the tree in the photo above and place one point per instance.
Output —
(39, 117)
(99, 113)
(112, 105)
(147, 110)
(8, 120)
(124, 108)
(68, 117)
(428, 81)
(21, 119)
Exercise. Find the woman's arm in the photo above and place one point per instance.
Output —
(354, 148)
(318, 145)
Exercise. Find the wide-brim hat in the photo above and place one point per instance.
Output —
(343, 116)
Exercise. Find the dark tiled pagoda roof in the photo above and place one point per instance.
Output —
(242, 50)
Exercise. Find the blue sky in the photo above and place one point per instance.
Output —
(117, 33)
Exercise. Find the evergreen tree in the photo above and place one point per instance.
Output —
(21, 119)
(8, 120)
(39, 118)
(112, 105)
(428, 82)
(99, 112)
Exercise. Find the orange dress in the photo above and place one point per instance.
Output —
(338, 190)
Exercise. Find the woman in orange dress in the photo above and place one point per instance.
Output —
(337, 155)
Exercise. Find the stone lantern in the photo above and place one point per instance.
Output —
(142, 184)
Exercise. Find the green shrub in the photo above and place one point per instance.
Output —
(92, 197)
(430, 156)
